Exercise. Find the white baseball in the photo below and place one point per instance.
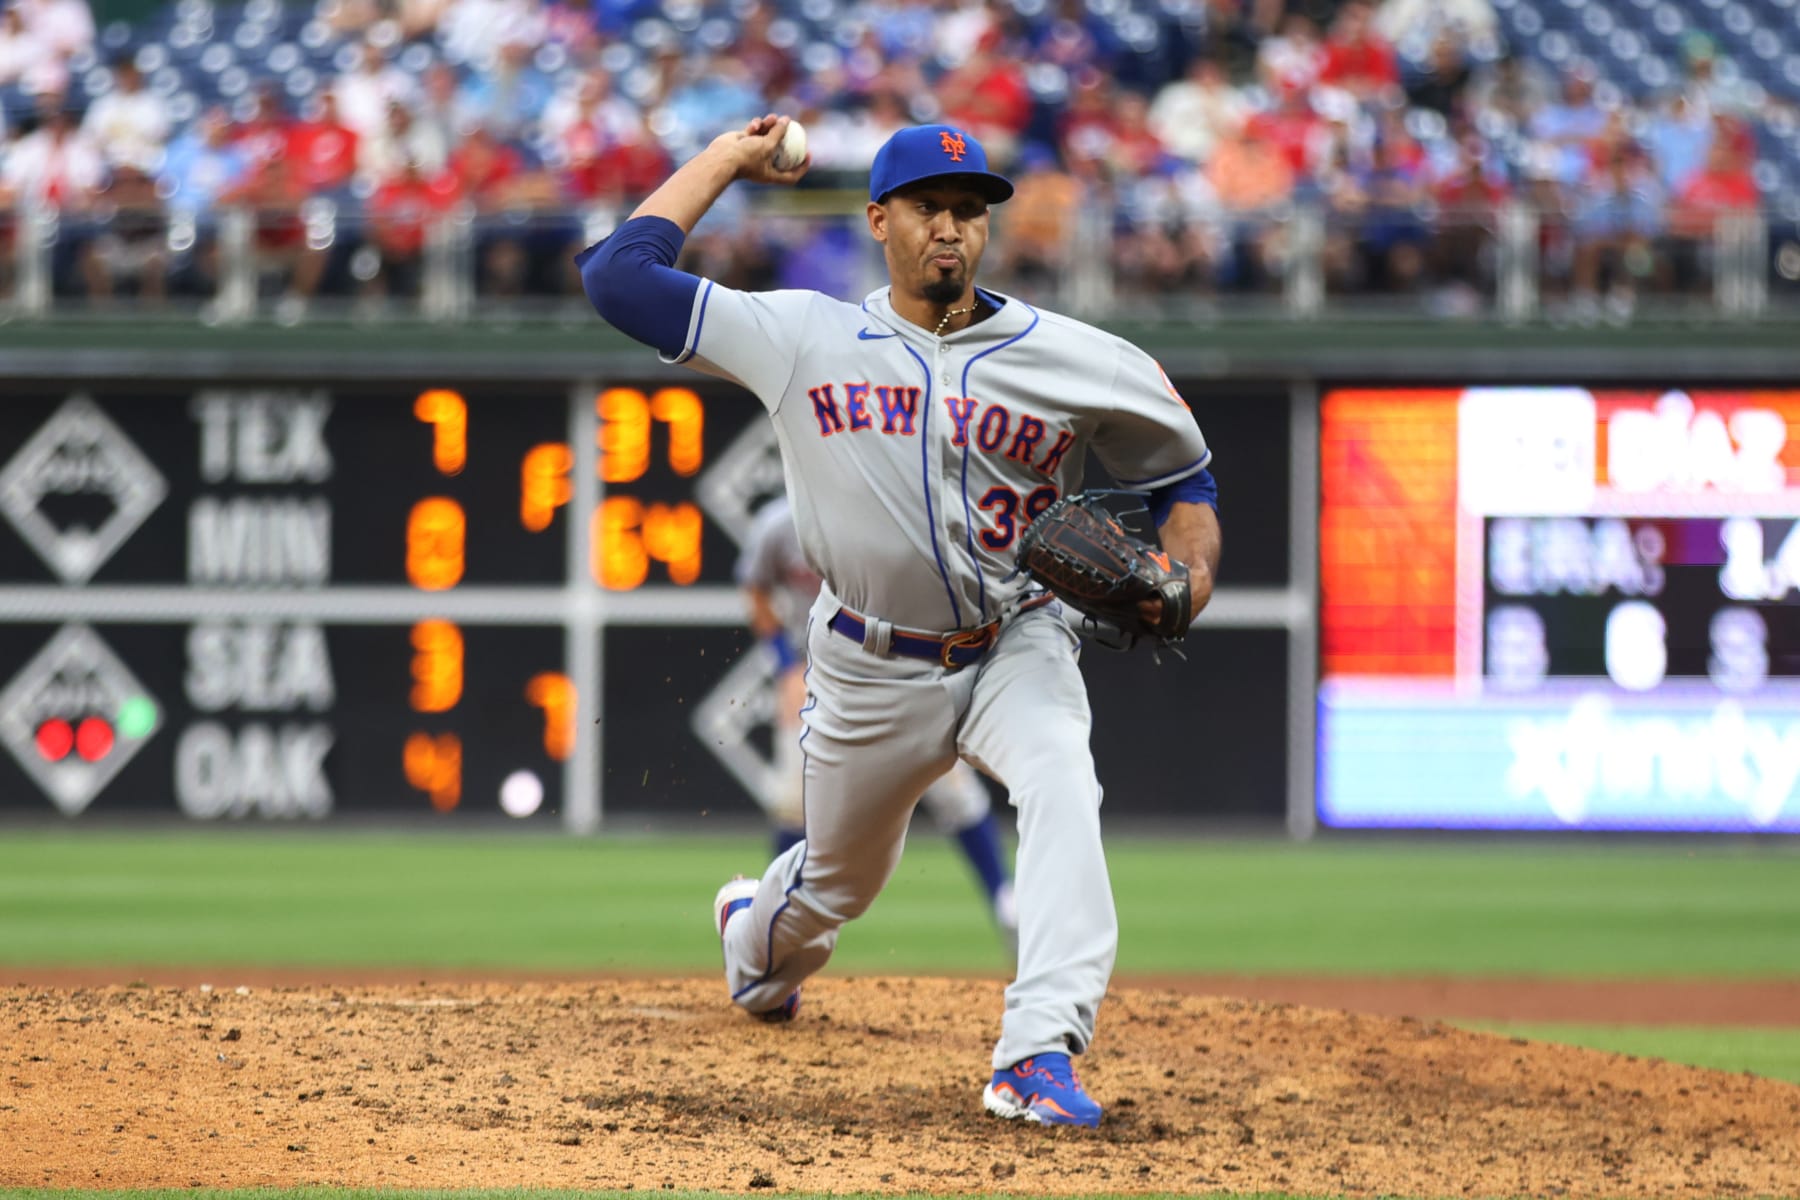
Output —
(792, 151)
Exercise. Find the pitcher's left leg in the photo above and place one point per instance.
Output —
(1028, 724)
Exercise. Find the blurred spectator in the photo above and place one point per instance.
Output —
(1513, 88)
(1293, 129)
(1463, 19)
(1440, 88)
(1070, 39)
(471, 31)
(323, 148)
(711, 93)
(1235, 31)
(1723, 186)
(365, 91)
(128, 125)
(618, 170)
(1292, 60)
(66, 27)
(1678, 136)
(202, 164)
(1248, 173)
(1618, 211)
(962, 27)
(570, 23)
(53, 165)
(1135, 149)
(403, 140)
(1564, 131)
(1189, 113)
(1170, 236)
(1394, 234)
(511, 96)
(1086, 127)
(1358, 59)
(1468, 192)
(276, 191)
(1708, 91)
(1038, 223)
(582, 117)
(988, 96)
(1251, 178)
(265, 135)
(522, 240)
(400, 212)
(27, 58)
(772, 70)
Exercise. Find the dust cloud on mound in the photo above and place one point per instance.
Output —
(875, 1087)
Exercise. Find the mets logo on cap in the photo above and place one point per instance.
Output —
(922, 152)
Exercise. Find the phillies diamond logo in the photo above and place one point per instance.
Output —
(78, 488)
(74, 716)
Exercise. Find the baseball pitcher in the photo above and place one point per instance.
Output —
(922, 431)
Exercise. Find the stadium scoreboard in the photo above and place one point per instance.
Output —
(1561, 607)
(347, 597)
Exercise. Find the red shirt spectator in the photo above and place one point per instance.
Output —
(987, 95)
(1467, 190)
(275, 191)
(627, 168)
(265, 135)
(323, 149)
(403, 207)
(1724, 185)
(1357, 59)
(483, 165)
(1294, 129)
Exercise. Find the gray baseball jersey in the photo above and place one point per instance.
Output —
(914, 462)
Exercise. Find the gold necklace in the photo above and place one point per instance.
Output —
(955, 312)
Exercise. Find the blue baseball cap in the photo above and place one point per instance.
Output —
(934, 152)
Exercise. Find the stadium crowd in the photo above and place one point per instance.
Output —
(1407, 124)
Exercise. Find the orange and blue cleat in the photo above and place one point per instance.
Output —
(732, 899)
(1042, 1089)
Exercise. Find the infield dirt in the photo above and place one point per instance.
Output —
(654, 1083)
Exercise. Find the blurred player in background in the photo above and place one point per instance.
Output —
(780, 589)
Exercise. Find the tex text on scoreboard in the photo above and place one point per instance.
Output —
(266, 599)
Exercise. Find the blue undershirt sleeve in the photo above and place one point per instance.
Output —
(631, 280)
(1198, 488)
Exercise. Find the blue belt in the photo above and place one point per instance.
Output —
(954, 650)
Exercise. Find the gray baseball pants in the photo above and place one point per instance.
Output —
(878, 731)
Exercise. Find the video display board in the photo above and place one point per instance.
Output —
(1560, 608)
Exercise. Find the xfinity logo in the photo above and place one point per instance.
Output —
(74, 716)
(79, 453)
(1595, 752)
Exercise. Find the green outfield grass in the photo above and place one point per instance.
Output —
(1773, 1053)
(267, 898)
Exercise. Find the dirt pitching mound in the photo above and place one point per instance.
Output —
(876, 1087)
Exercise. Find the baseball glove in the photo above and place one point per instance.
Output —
(1080, 551)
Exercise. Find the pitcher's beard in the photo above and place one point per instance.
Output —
(945, 289)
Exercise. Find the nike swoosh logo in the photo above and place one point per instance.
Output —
(864, 335)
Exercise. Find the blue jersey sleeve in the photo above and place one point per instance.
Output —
(631, 280)
(752, 338)
(1198, 488)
